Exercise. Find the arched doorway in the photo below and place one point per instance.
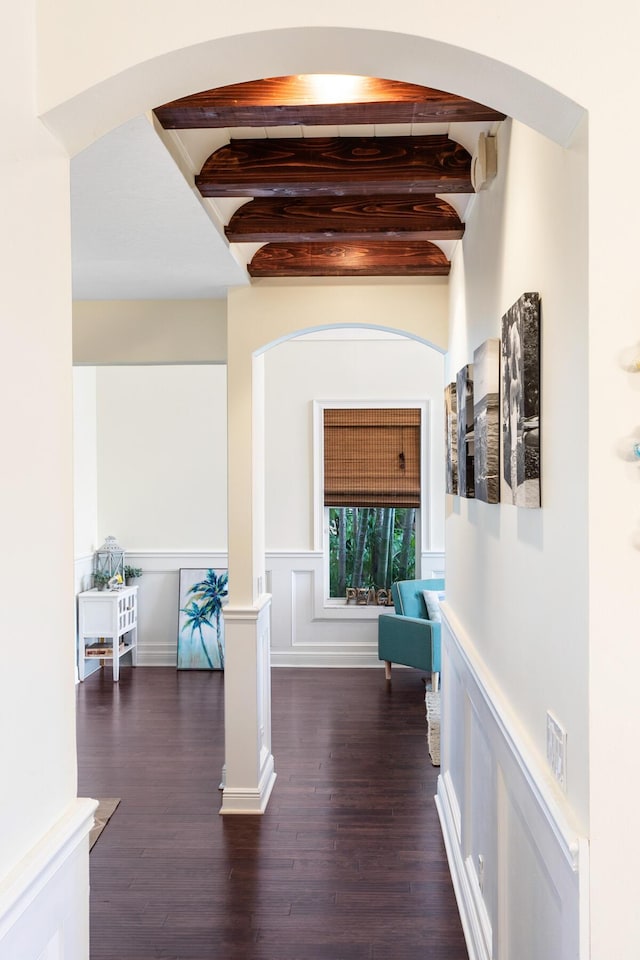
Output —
(566, 104)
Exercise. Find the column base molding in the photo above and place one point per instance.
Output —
(248, 800)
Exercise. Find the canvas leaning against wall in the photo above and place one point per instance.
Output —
(451, 437)
(202, 595)
(521, 402)
(486, 421)
(466, 485)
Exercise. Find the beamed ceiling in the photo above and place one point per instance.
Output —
(362, 184)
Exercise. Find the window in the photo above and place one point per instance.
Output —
(372, 487)
(370, 547)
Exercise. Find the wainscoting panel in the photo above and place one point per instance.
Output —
(158, 600)
(520, 868)
(44, 902)
(305, 631)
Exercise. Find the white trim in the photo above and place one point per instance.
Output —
(432, 565)
(171, 561)
(451, 801)
(28, 879)
(566, 835)
(323, 658)
(471, 924)
(584, 899)
(480, 914)
(83, 558)
(171, 554)
(293, 554)
(247, 800)
(247, 614)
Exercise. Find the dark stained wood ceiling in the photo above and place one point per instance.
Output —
(326, 166)
(338, 205)
(389, 258)
(382, 217)
(285, 101)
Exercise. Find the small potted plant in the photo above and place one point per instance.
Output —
(101, 580)
(131, 574)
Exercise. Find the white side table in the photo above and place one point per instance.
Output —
(107, 621)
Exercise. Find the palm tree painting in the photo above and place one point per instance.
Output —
(200, 621)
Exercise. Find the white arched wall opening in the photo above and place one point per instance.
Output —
(127, 62)
(79, 115)
(257, 321)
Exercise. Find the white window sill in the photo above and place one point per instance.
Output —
(336, 610)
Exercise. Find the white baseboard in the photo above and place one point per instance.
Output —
(44, 901)
(325, 658)
(475, 920)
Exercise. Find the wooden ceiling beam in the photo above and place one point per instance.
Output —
(312, 219)
(321, 166)
(391, 258)
(288, 101)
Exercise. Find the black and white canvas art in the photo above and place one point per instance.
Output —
(464, 391)
(451, 437)
(486, 421)
(521, 402)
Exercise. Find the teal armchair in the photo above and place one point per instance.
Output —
(407, 636)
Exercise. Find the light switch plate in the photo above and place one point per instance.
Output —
(557, 749)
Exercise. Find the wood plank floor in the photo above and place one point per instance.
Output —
(347, 863)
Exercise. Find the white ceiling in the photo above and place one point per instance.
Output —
(140, 230)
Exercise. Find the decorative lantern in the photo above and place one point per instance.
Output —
(109, 559)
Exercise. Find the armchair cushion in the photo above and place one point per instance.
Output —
(432, 599)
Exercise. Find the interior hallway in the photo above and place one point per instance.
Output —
(347, 863)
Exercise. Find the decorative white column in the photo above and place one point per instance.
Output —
(249, 766)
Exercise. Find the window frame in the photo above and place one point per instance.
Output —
(337, 606)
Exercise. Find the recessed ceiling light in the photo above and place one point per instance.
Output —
(336, 87)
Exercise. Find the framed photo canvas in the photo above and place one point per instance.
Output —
(451, 437)
(202, 595)
(521, 402)
(486, 421)
(464, 394)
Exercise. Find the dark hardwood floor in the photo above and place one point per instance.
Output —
(346, 864)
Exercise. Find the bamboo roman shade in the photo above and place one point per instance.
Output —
(372, 457)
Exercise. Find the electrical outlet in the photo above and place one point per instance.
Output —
(557, 750)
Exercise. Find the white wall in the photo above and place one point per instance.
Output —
(44, 889)
(162, 456)
(85, 481)
(85, 462)
(300, 371)
(177, 515)
(36, 478)
(517, 578)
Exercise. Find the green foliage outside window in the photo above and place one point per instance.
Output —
(370, 547)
